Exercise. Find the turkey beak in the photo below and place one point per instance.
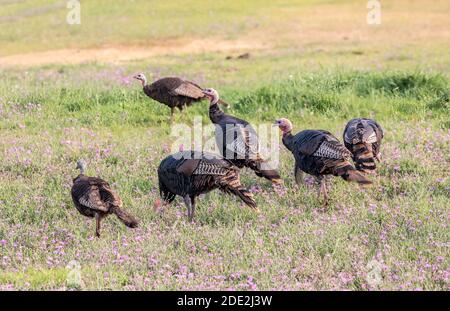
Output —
(206, 94)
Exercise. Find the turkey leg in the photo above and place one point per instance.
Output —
(192, 208)
(323, 189)
(98, 219)
(298, 174)
(188, 202)
(172, 114)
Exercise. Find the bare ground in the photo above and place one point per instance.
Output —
(117, 54)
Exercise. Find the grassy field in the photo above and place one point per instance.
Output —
(315, 62)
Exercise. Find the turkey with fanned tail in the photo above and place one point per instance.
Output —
(363, 138)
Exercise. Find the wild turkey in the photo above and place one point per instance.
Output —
(93, 197)
(237, 140)
(172, 91)
(363, 138)
(319, 153)
(191, 173)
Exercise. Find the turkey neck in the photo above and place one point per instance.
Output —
(215, 113)
(287, 139)
(148, 90)
(78, 177)
(144, 82)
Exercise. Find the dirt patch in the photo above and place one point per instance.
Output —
(117, 54)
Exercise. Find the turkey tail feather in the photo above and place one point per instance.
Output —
(126, 218)
(269, 174)
(349, 173)
(353, 175)
(364, 157)
(231, 184)
(246, 196)
(272, 175)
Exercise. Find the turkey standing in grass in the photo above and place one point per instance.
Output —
(93, 197)
(319, 153)
(363, 138)
(237, 140)
(191, 173)
(172, 91)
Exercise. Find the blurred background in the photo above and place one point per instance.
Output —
(290, 32)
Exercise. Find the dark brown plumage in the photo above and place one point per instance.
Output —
(93, 197)
(319, 153)
(190, 173)
(172, 91)
(363, 138)
(237, 140)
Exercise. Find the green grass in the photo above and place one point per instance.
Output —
(37, 279)
(144, 21)
(321, 65)
(294, 244)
